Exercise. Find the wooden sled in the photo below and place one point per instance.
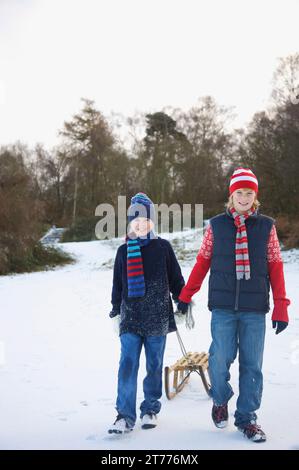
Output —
(181, 370)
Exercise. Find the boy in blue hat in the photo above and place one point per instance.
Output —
(146, 271)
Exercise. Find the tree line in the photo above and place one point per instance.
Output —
(175, 156)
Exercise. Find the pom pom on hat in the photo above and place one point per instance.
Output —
(141, 206)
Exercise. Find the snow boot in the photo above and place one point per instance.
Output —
(149, 421)
(220, 415)
(120, 426)
(253, 432)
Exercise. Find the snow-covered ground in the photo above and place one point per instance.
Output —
(59, 360)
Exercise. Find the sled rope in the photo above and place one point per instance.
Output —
(190, 323)
(182, 369)
(182, 346)
(191, 363)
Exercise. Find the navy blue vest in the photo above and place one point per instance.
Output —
(225, 291)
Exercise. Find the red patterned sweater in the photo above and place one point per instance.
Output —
(275, 269)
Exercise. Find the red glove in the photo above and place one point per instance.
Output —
(281, 302)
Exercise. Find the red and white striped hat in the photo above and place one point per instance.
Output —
(243, 178)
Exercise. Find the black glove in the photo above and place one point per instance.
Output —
(182, 307)
(114, 312)
(279, 325)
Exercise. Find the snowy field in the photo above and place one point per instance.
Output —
(59, 360)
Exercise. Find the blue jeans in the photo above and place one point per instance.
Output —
(131, 345)
(233, 331)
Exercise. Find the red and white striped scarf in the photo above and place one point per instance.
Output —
(241, 250)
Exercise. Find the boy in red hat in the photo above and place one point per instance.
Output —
(241, 249)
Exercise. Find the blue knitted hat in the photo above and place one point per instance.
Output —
(141, 206)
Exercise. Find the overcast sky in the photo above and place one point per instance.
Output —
(132, 55)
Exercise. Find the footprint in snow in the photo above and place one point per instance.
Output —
(91, 437)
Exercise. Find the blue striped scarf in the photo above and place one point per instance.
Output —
(135, 273)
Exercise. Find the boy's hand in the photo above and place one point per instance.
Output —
(279, 325)
(179, 317)
(183, 314)
(180, 313)
(115, 324)
(115, 316)
(114, 312)
(182, 307)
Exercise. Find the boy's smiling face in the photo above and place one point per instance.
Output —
(243, 199)
(142, 226)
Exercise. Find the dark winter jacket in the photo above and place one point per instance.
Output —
(151, 315)
(225, 291)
